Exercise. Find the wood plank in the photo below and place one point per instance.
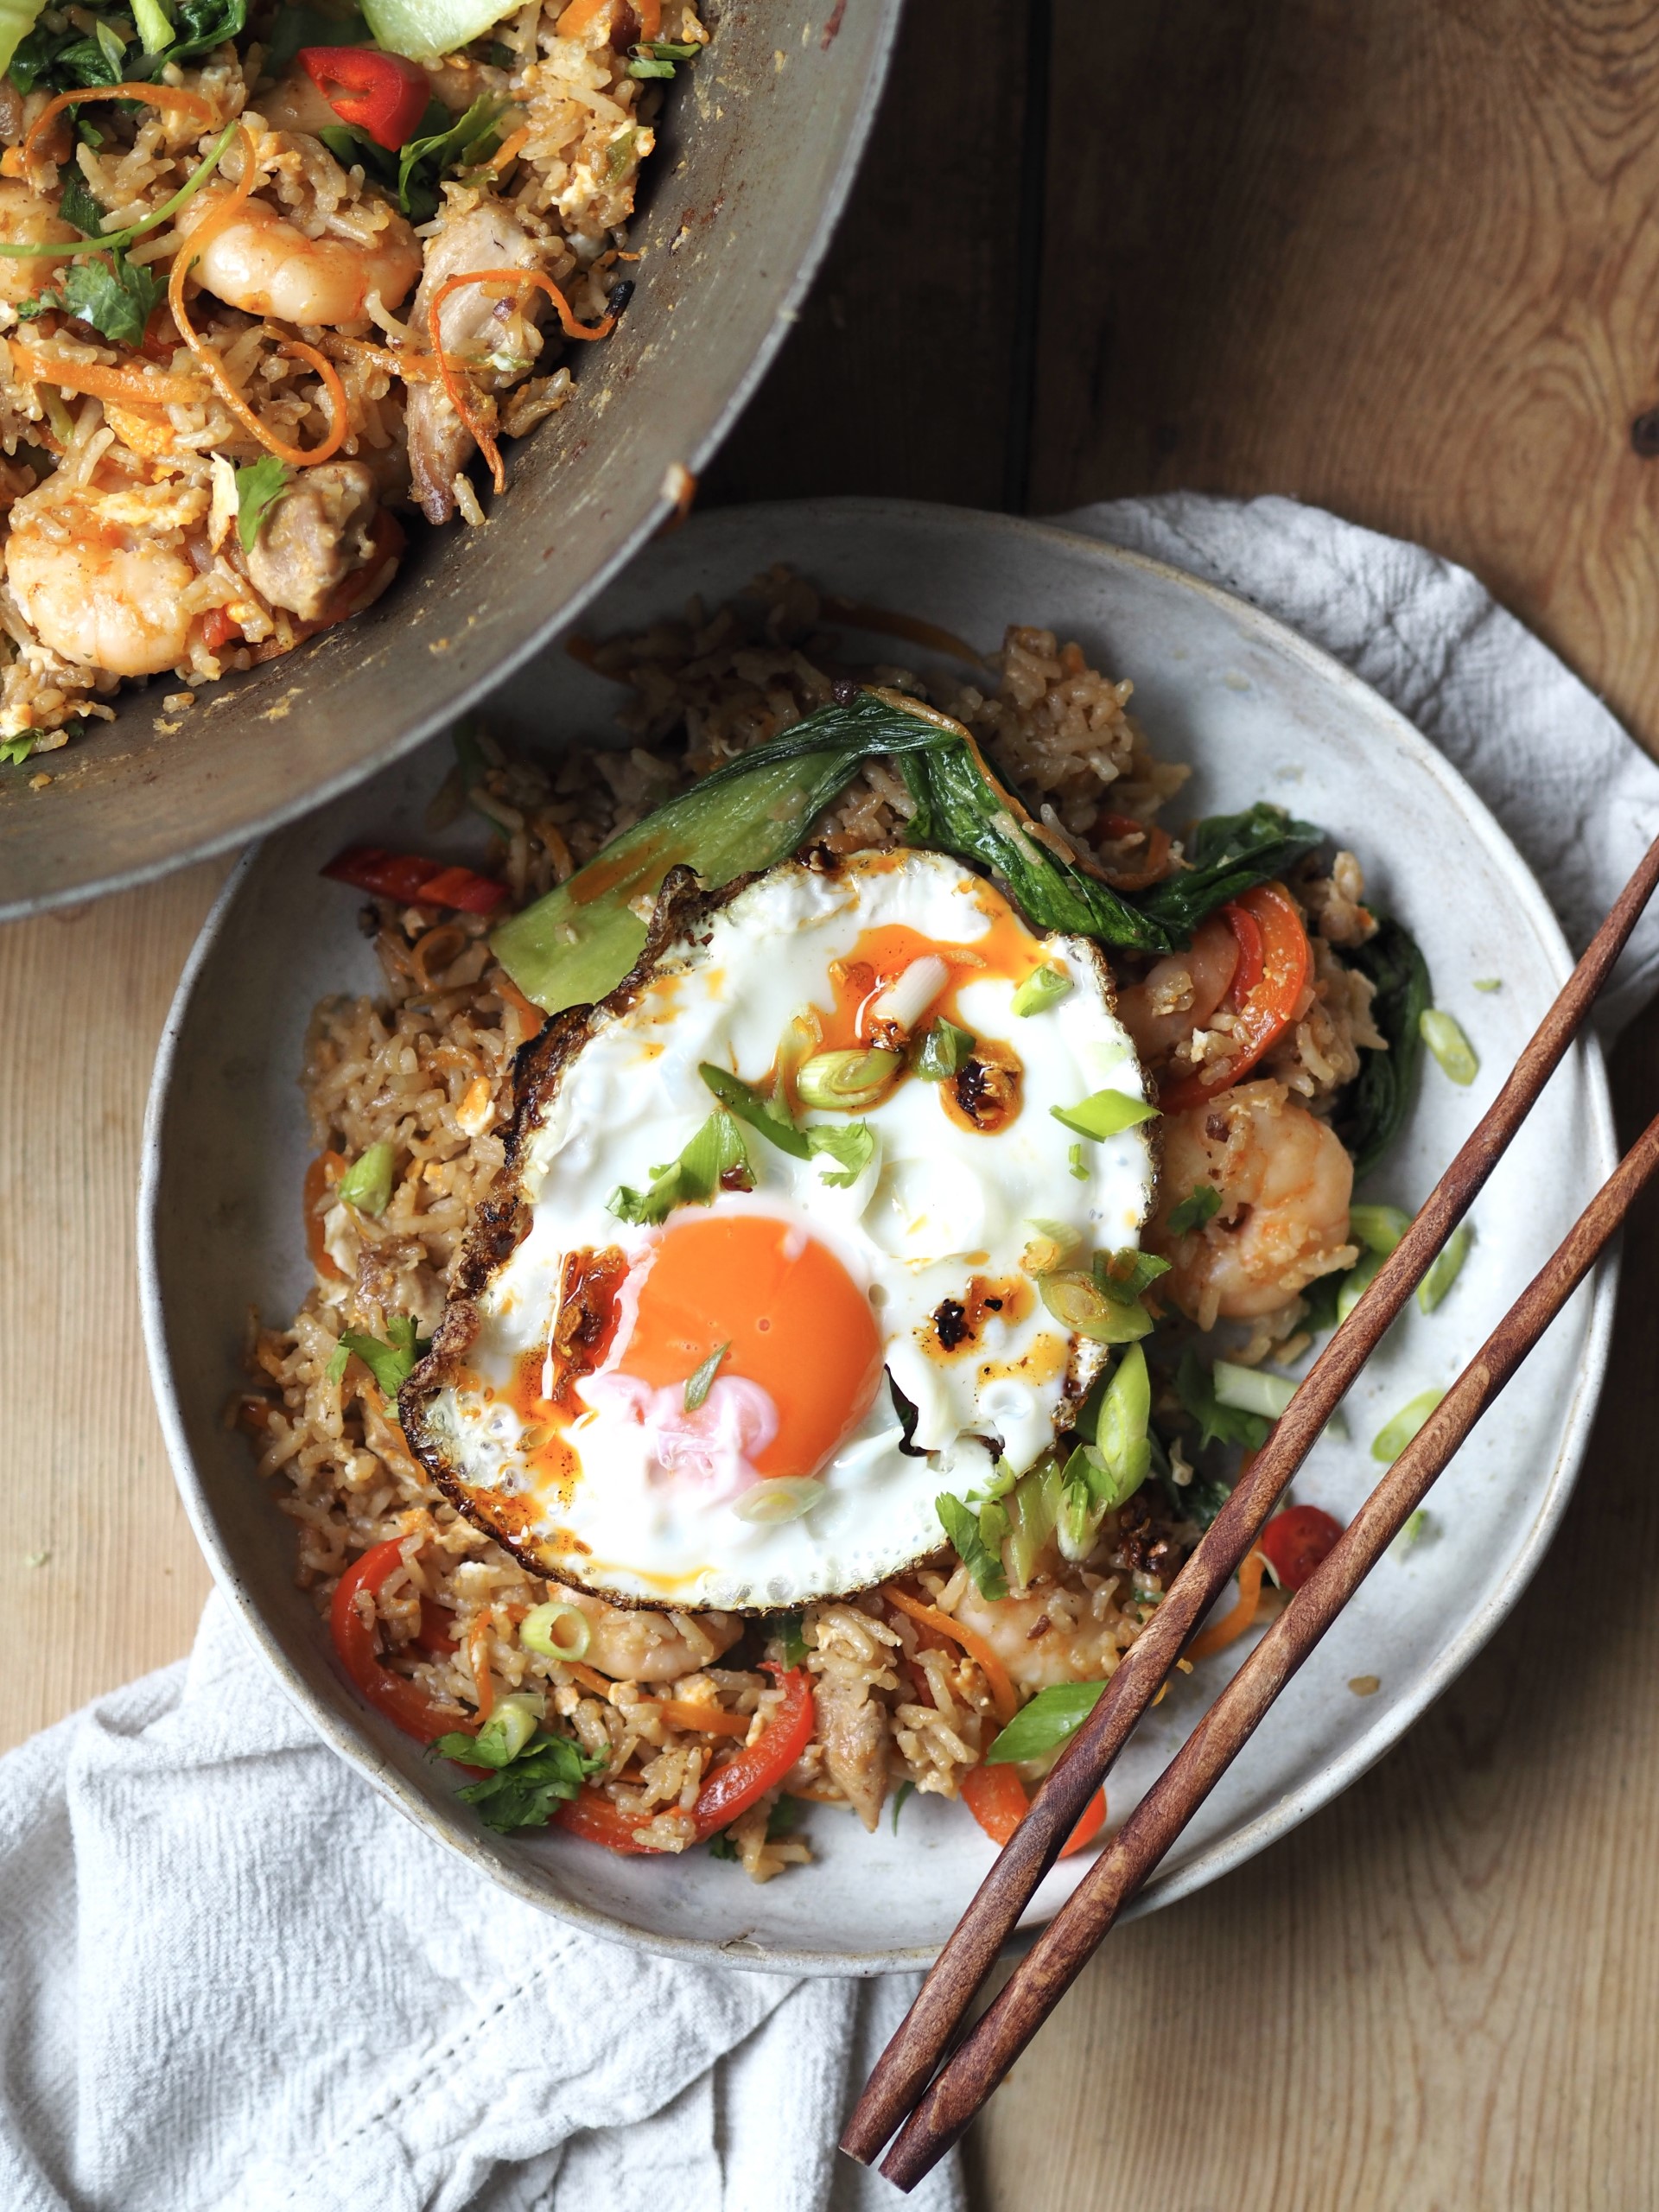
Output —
(898, 380)
(1440, 1991)
(1397, 259)
(100, 1578)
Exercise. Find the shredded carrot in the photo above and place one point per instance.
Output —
(183, 260)
(477, 1652)
(152, 95)
(509, 149)
(414, 368)
(317, 1180)
(590, 1678)
(1232, 1625)
(650, 13)
(578, 15)
(531, 1020)
(131, 387)
(481, 434)
(996, 1673)
(708, 1718)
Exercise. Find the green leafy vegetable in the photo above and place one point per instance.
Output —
(1380, 1097)
(511, 1724)
(526, 1792)
(904, 1791)
(1412, 1529)
(1392, 1439)
(111, 294)
(154, 25)
(391, 1364)
(1231, 854)
(1248, 1390)
(298, 26)
(367, 1183)
(1445, 1039)
(962, 1526)
(13, 750)
(1051, 1718)
(1447, 1266)
(464, 143)
(577, 943)
(1201, 1204)
(1218, 1424)
(204, 24)
(1043, 987)
(747, 1103)
(1104, 1114)
(77, 202)
(944, 1049)
(1034, 1509)
(258, 488)
(716, 1158)
(700, 1380)
(657, 58)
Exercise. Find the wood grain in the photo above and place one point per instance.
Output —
(99, 1575)
(1397, 258)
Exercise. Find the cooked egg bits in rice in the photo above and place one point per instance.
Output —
(664, 1374)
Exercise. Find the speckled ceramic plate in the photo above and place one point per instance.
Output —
(1259, 713)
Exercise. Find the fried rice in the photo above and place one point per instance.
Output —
(911, 1681)
(136, 537)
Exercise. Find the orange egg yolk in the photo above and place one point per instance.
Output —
(795, 1321)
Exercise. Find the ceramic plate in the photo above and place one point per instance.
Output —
(1258, 713)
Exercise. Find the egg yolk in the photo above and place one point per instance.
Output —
(795, 1322)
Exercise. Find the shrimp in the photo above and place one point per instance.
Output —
(1285, 1182)
(96, 583)
(644, 1647)
(1180, 991)
(28, 220)
(1047, 1633)
(264, 265)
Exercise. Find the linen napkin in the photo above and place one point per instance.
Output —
(233, 1979)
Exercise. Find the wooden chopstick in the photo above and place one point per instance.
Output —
(908, 2063)
(1065, 1945)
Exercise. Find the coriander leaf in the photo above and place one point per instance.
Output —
(116, 298)
(903, 1791)
(548, 1773)
(425, 161)
(1051, 1718)
(721, 1846)
(1218, 1424)
(747, 1103)
(700, 1380)
(391, 1364)
(852, 1144)
(1201, 1204)
(336, 1368)
(13, 750)
(716, 1158)
(258, 488)
(76, 202)
(961, 1525)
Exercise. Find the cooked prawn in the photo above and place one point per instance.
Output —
(98, 583)
(266, 266)
(644, 1647)
(28, 220)
(1284, 1180)
(1180, 991)
(1047, 1633)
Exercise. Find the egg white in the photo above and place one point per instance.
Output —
(940, 1204)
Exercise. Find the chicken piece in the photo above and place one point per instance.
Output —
(318, 533)
(852, 1726)
(497, 338)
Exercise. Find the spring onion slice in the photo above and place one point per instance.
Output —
(1379, 1228)
(1044, 987)
(1449, 1046)
(1248, 1390)
(557, 1632)
(1411, 1533)
(366, 1183)
(1201, 1204)
(1448, 1266)
(1104, 1114)
(1392, 1439)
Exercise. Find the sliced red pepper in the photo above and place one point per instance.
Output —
(403, 1703)
(729, 1790)
(1296, 1541)
(381, 93)
(1252, 953)
(218, 629)
(1268, 1006)
(412, 877)
(996, 1798)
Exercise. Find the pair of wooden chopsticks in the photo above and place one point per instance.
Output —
(934, 2112)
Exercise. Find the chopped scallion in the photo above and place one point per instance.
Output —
(1201, 1204)
(1411, 1533)
(700, 1380)
(1448, 1265)
(1379, 1228)
(1074, 1159)
(1488, 982)
(1044, 987)
(1104, 1114)
(557, 1632)
(1450, 1046)
(1248, 1390)
(944, 1049)
(367, 1183)
(1392, 1439)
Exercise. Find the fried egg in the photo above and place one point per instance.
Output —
(756, 1399)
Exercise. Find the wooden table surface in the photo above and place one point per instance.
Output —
(1389, 256)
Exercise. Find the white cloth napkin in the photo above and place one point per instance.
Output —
(231, 1976)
